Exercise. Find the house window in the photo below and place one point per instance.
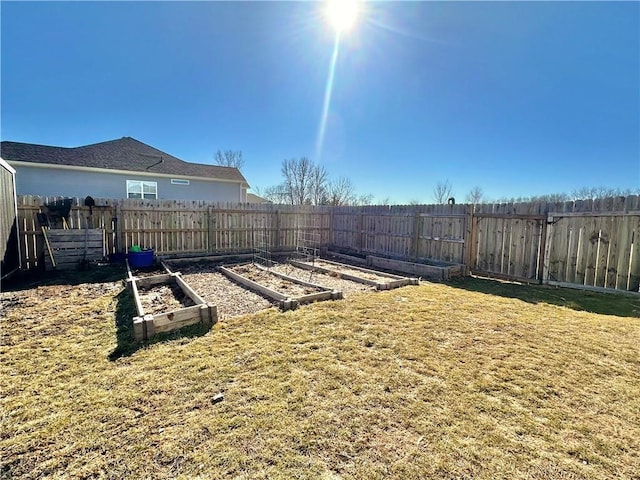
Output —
(140, 189)
(178, 181)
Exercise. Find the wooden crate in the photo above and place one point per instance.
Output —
(71, 248)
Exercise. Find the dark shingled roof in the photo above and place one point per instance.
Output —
(125, 153)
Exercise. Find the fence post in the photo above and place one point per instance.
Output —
(360, 245)
(545, 249)
(331, 241)
(209, 228)
(415, 239)
(119, 230)
(471, 228)
(277, 243)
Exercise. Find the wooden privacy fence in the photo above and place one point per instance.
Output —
(594, 244)
(599, 249)
(175, 227)
(416, 232)
(590, 243)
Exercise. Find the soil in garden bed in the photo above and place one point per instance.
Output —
(148, 271)
(332, 282)
(163, 298)
(380, 277)
(214, 287)
(274, 282)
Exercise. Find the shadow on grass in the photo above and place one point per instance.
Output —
(582, 300)
(125, 311)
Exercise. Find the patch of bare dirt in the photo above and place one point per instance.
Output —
(32, 297)
(163, 298)
(32, 306)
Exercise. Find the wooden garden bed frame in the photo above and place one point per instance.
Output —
(285, 302)
(395, 281)
(431, 269)
(145, 326)
(435, 271)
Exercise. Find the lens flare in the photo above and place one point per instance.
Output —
(342, 14)
(327, 98)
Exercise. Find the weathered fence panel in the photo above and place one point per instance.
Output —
(417, 232)
(72, 248)
(175, 227)
(508, 245)
(597, 248)
(591, 243)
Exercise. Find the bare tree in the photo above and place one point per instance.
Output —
(474, 196)
(385, 201)
(364, 199)
(230, 158)
(305, 183)
(276, 194)
(341, 192)
(318, 188)
(552, 198)
(297, 173)
(591, 193)
(442, 192)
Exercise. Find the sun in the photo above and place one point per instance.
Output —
(342, 14)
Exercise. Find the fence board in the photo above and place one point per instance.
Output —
(612, 260)
(625, 244)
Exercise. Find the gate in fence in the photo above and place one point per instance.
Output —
(508, 245)
(594, 249)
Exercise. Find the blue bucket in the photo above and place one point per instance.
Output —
(140, 259)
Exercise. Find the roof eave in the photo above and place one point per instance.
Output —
(20, 163)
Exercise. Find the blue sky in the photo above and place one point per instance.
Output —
(519, 98)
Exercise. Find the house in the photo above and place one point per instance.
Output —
(253, 198)
(122, 168)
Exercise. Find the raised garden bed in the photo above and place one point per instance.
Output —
(165, 303)
(347, 287)
(150, 271)
(425, 268)
(433, 270)
(287, 291)
(352, 259)
(230, 298)
(380, 280)
(163, 297)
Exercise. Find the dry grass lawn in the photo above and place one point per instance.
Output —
(472, 380)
